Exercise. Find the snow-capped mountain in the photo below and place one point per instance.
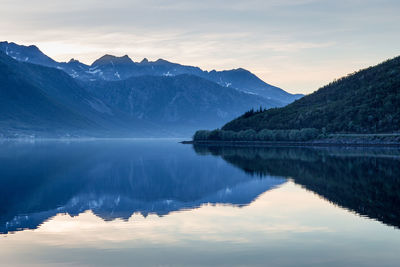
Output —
(45, 101)
(112, 68)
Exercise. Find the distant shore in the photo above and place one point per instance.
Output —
(324, 143)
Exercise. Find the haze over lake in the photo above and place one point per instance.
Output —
(160, 203)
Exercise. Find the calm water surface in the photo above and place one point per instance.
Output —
(160, 203)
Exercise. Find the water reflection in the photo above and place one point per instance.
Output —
(114, 180)
(77, 198)
(118, 179)
(366, 181)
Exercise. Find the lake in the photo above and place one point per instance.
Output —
(161, 203)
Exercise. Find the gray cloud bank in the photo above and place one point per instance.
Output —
(298, 45)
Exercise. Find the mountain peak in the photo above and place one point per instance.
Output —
(241, 70)
(33, 47)
(144, 61)
(162, 61)
(73, 60)
(13, 45)
(31, 53)
(110, 59)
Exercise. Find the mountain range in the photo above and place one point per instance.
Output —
(116, 96)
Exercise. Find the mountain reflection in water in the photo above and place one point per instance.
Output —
(117, 179)
(363, 180)
(114, 180)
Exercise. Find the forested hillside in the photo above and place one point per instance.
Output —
(367, 101)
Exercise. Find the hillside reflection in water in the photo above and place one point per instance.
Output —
(152, 203)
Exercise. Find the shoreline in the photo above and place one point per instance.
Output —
(314, 143)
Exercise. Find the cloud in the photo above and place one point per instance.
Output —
(269, 38)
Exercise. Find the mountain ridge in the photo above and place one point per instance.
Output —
(187, 99)
(124, 67)
(43, 101)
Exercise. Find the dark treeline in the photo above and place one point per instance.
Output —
(263, 135)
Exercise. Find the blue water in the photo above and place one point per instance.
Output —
(161, 203)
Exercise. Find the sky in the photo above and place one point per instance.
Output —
(298, 45)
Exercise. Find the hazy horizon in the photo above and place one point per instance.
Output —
(298, 46)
